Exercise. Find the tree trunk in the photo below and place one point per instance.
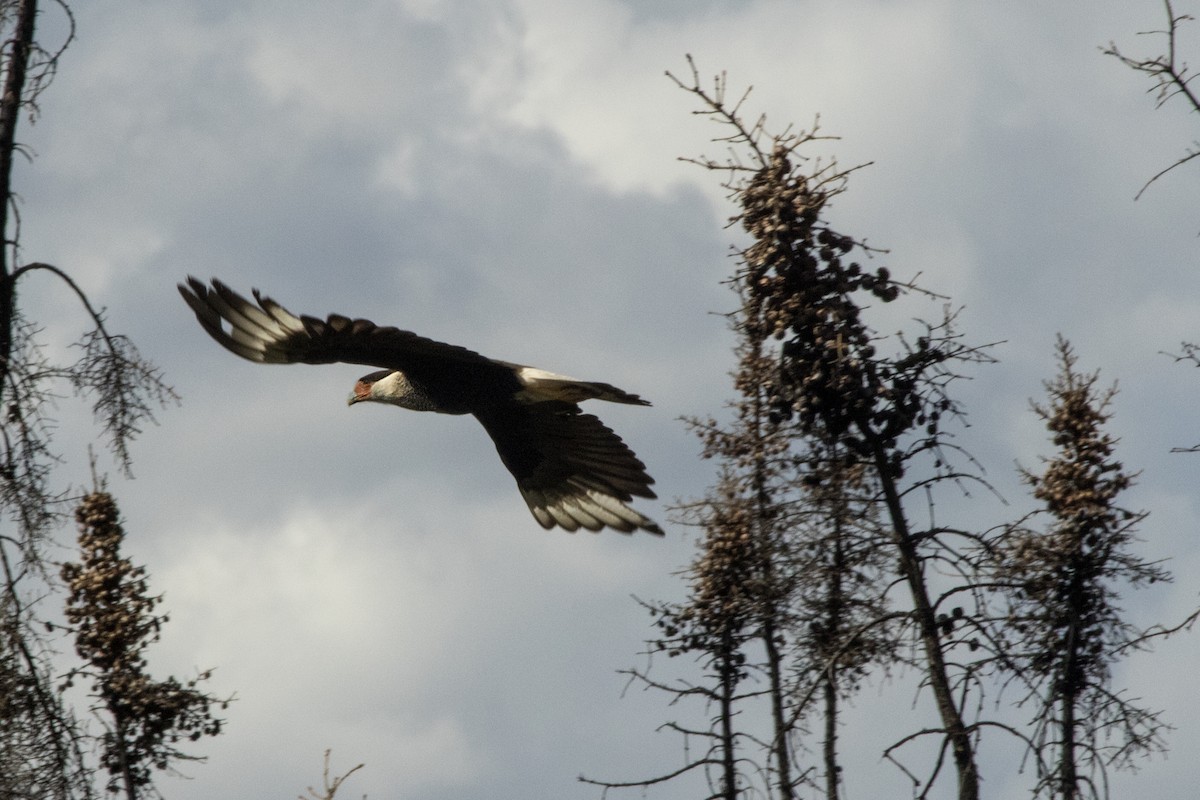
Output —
(19, 48)
(935, 661)
(833, 623)
(830, 743)
(770, 624)
(728, 687)
(783, 761)
(1069, 692)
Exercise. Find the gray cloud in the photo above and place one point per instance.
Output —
(487, 174)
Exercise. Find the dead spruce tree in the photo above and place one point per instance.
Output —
(41, 750)
(843, 628)
(788, 596)
(869, 413)
(735, 620)
(113, 620)
(879, 412)
(1064, 631)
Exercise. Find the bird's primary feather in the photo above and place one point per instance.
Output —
(572, 470)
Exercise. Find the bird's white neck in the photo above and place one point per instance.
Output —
(398, 390)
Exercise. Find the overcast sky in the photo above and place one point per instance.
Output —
(503, 174)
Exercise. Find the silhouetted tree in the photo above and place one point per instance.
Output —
(1172, 78)
(807, 527)
(40, 746)
(736, 619)
(867, 413)
(842, 627)
(111, 613)
(1064, 631)
(872, 410)
(330, 786)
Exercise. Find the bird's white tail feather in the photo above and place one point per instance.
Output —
(542, 386)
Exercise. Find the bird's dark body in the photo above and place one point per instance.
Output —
(454, 380)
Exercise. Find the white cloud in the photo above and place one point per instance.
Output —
(591, 75)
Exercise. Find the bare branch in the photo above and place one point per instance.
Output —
(1171, 76)
(330, 786)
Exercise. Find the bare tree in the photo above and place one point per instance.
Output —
(41, 755)
(1171, 76)
(744, 577)
(40, 745)
(330, 786)
(807, 531)
(113, 620)
(1064, 630)
(842, 623)
(718, 625)
(867, 410)
(734, 620)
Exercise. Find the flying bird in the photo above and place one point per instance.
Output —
(572, 470)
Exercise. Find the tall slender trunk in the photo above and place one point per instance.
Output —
(765, 554)
(120, 732)
(1067, 779)
(16, 65)
(829, 745)
(781, 754)
(769, 631)
(728, 743)
(14, 69)
(834, 609)
(935, 660)
(1069, 690)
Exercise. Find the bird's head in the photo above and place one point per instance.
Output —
(392, 386)
(378, 386)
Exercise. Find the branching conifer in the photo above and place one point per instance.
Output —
(1064, 630)
(870, 415)
(41, 742)
(113, 617)
(807, 529)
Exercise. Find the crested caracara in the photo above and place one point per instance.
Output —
(571, 469)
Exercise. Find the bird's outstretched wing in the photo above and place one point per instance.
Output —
(455, 377)
(571, 469)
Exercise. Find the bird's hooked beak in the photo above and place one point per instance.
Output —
(362, 391)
